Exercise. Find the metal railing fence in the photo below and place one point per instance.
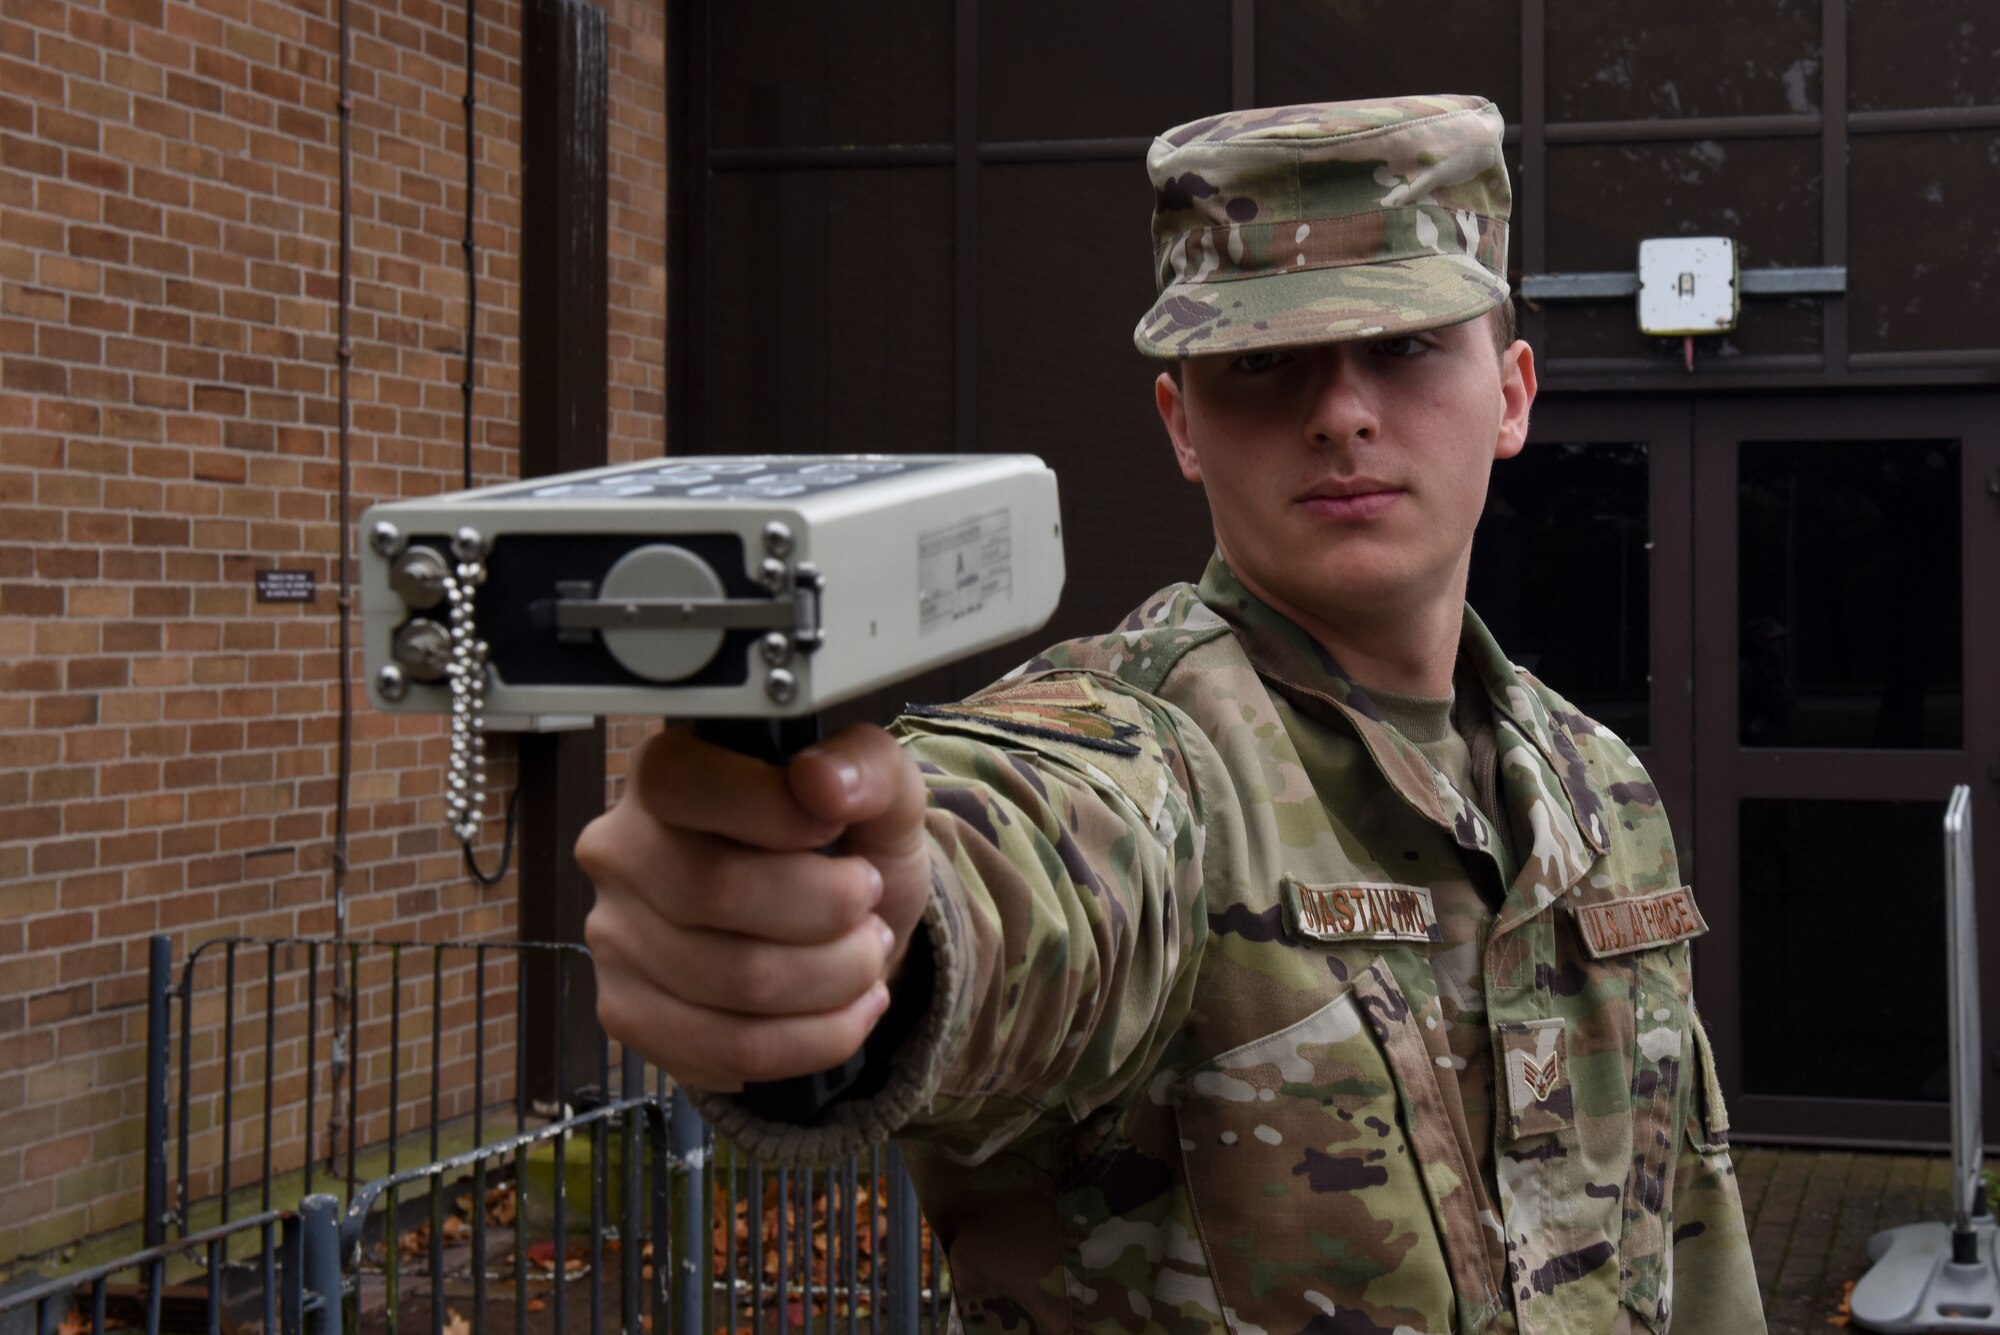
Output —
(623, 1204)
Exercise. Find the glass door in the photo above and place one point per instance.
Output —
(1581, 569)
(1846, 627)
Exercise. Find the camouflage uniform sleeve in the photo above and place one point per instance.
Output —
(1063, 924)
(1715, 1280)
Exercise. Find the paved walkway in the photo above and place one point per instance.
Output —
(1811, 1213)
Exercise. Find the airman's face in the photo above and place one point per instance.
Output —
(1345, 480)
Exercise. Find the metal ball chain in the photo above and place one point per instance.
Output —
(465, 799)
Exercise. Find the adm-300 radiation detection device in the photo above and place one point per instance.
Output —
(744, 592)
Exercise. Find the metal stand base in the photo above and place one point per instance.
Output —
(1915, 1285)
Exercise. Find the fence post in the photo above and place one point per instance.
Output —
(689, 1253)
(159, 987)
(906, 1272)
(319, 1252)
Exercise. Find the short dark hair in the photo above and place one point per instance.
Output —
(1505, 331)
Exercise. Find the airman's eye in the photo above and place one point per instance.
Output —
(1405, 346)
(1256, 362)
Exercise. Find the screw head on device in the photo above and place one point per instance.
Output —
(776, 648)
(772, 574)
(467, 545)
(385, 538)
(781, 686)
(390, 683)
(778, 538)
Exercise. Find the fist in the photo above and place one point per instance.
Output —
(730, 948)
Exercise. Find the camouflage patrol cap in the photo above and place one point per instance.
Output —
(1325, 222)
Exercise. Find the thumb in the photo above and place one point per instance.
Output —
(862, 780)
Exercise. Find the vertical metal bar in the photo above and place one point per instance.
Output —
(228, 1066)
(520, 1238)
(659, 1288)
(1243, 53)
(353, 1032)
(156, 1282)
(270, 1065)
(291, 1305)
(562, 1141)
(784, 1293)
(267, 1257)
(393, 1256)
(437, 1042)
(875, 1239)
(1833, 177)
(479, 1046)
(312, 1057)
(97, 1307)
(729, 1243)
(905, 1277)
(319, 1262)
(437, 1249)
(187, 1088)
(159, 988)
(1532, 190)
(684, 1257)
(853, 1232)
(218, 1256)
(479, 1239)
(965, 227)
(755, 1210)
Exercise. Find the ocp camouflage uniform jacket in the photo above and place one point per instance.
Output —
(1185, 1065)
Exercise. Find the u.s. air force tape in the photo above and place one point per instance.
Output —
(1358, 912)
(1620, 926)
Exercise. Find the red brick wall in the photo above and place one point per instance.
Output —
(169, 226)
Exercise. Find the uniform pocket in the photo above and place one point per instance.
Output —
(1313, 1197)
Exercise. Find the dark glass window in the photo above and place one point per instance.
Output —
(1612, 62)
(832, 295)
(1924, 269)
(802, 73)
(1827, 888)
(1606, 198)
(1560, 574)
(1849, 593)
(1053, 69)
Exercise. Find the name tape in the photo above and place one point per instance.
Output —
(1359, 912)
(1620, 926)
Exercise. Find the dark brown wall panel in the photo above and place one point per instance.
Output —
(1693, 58)
(792, 73)
(1924, 270)
(1054, 69)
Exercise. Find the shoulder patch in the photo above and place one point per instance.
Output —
(1085, 725)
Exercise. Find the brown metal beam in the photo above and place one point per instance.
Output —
(565, 384)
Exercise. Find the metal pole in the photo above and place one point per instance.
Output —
(159, 987)
(319, 1220)
(689, 1253)
(1962, 977)
(906, 1280)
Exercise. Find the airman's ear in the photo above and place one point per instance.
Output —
(1517, 392)
(1171, 400)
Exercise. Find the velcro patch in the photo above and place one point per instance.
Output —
(1538, 1092)
(1085, 723)
(1067, 692)
(1360, 912)
(1621, 926)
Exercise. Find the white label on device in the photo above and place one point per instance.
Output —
(963, 567)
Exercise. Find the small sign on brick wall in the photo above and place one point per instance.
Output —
(285, 586)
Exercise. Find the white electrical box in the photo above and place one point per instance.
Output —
(1687, 285)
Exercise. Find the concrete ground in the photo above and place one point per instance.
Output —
(1811, 1213)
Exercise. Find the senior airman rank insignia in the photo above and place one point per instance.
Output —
(1538, 1092)
(1363, 912)
(1620, 926)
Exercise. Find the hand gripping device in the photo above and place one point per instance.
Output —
(744, 592)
